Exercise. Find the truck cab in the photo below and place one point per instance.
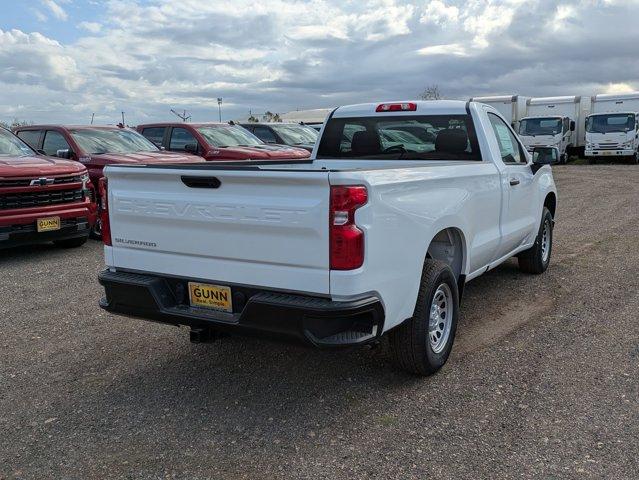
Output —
(548, 131)
(613, 135)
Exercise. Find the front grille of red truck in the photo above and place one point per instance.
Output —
(25, 182)
(37, 199)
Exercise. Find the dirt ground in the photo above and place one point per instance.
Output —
(542, 381)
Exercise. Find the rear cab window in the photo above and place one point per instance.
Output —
(30, 137)
(426, 137)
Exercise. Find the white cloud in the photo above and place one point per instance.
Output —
(439, 12)
(91, 27)
(57, 11)
(448, 49)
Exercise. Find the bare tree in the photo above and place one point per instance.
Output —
(431, 93)
(16, 123)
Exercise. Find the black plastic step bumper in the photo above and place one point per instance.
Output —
(27, 234)
(315, 320)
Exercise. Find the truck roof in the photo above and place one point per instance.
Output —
(560, 99)
(615, 96)
(74, 127)
(424, 107)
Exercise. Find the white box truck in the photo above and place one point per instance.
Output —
(511, 107)
(553, 122)
(612, 129)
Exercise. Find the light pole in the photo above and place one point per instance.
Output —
(219, 107)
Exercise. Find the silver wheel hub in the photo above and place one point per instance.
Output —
(440, 318)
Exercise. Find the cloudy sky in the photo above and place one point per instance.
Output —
(61, 60)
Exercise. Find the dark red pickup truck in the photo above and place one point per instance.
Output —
(217, 141)
(96, 147)
(42, 199)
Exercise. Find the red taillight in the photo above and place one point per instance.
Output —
(347, 241)
(396, 107)
(104, 211)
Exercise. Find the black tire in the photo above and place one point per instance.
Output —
(410, 343)
(71, 242)
(534, 260)
(563, 159)
(592, 160)
(96, 230)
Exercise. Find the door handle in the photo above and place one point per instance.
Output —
(201, 182)
(514, 181)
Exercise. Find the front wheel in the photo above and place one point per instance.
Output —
(537, 258)
(422, 344)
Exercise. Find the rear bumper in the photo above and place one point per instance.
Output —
(313, 320)
(27, 234)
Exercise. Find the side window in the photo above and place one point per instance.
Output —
(180, 137)
(54, 141)
(566, 124)
(508, 145)
(265, 134)
(30, 137)
(154, 134)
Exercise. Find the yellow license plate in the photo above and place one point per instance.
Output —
(48, 224)
(210, 296)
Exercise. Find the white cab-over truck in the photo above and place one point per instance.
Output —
(612, 130)
(400, 205)
(552, 122)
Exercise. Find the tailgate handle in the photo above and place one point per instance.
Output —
(201, 182)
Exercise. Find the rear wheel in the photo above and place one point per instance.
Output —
(71, 242)
(422, 344)
(537, 258)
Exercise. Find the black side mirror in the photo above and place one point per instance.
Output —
(572, 125)
(544, 156)
(191, 148)
(64, 153)
(41, 152)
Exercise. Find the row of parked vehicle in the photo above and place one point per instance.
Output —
(605, 125)
(49, 174)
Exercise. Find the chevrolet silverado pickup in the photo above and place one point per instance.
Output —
(217, 141)
(96, 147)
(376, 234)
(42, 199)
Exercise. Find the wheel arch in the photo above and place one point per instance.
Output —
(550, 202)
(449, 245)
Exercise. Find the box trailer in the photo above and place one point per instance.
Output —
(512, 107)
(612, 128)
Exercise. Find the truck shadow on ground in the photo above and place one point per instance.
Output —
(241, 385)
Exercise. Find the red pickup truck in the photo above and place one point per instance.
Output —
(42, 199)
(217, 141)
(96, 147)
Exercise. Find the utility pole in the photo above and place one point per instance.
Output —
(183, 116)
(123, 124)
(219, 107)
(92, 117)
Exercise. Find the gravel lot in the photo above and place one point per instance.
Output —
(542, 382)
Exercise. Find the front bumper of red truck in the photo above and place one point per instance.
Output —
(19, 226)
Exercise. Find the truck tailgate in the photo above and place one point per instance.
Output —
(259, 228)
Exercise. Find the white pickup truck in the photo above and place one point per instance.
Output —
(399, 206)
